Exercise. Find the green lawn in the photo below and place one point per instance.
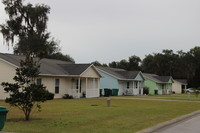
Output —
(187, 97)
(92, 116)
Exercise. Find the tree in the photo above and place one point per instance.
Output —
(194, 66)
(60, 56)
(113, 64)
(28, 24)
(96, 63)
(133, 64)
(123, 64)
(148, 64)
(25, 93)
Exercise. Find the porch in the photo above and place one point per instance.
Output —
(84, 87)
(131, 87)
(165, 88)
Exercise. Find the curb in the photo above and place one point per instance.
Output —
(169, 123)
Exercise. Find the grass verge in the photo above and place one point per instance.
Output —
(81, 116)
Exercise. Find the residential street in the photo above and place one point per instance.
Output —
(188, 126)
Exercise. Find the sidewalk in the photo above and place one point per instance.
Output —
(186, 124)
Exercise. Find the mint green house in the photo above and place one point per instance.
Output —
(158, 84)
(126, 82)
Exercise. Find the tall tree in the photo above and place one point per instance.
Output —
(194, 66)
(134, 63)
(25, 93)
(60, 56)
(113, 64)
(28, 24)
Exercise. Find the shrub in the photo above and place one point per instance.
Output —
(67, 96)
(50, 96)
(146, 90)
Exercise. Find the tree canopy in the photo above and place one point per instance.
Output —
(132, 64)
(179, 65)
(27, 25)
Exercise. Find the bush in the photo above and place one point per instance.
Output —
(50, 96)
(146, 90)
(67, 96)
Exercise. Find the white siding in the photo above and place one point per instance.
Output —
(7, 72)
(176, 87)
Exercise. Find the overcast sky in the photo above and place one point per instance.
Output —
(111, 30)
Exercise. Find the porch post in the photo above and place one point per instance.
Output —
(98, 86)
(93, 83)
(133, 87)
(93, 89)
(139, 89)
(86, 87)
(79, 85)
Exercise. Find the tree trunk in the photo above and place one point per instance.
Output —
(27, 114)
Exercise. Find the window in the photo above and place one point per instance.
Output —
(39, 81)
(57, 83)
(127, 85)
(77, 85)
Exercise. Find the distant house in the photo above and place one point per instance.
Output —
(158, 84)
(126, 82)
(59, 77)
(179, 85)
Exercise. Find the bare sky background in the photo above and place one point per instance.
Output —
(111, 30)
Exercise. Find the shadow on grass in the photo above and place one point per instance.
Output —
(23, 120)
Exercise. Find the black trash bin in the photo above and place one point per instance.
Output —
(3, 113)
(107, 92)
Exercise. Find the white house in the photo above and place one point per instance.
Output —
(179, 86)
(59, 77)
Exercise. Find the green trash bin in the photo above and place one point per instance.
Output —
(3, 113)
(107, 92)
(115, 92)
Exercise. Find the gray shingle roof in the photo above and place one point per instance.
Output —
(75, 69)
(156, 78)
(183, 81)
(120, 73)
(50, 66)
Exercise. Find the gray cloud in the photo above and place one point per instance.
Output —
(108, 30)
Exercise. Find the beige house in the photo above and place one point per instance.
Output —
(59, 77)
(179, 86)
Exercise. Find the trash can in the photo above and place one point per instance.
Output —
(3, 113)
(115, 92)
(101, 92)
(107, 92)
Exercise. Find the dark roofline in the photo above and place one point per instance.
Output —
(119, 73)
(51, 67)
(158, 79)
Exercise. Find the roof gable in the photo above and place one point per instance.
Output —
(91, 72)
(139, 77)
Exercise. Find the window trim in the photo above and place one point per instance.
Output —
(57, 86)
